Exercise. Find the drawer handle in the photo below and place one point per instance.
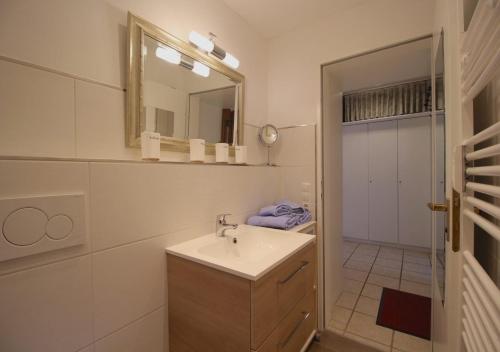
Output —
(305, 315)
(289, 277)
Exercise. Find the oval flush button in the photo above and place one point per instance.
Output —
(59, 227)
(25, 226)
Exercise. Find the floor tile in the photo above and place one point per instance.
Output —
(366, 251)
(372, 291)
(416, 288)
(367, 246)
(383, 281)
(377, 346)
(417, 260)
(340, 317)
(334, 342)
(395, 250)
(367, 269)
(353, 286)
(413, 253)
(409, 343)
(423, 269)
(347, 300)
(367, 306)
(364, 325)
(363, 258)
(416, 277)
(336, 326)
(349, 245)
(344, 258)
(390, 255)
(315, 347)
(386, 271)
(354, 274)
(391, 263)
(358, 265)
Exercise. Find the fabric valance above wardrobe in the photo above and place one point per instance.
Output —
(400, 99)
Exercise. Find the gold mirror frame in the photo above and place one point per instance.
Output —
(137, 28)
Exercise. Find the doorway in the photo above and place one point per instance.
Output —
(378, 162)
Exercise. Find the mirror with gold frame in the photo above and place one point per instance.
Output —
(180, 92)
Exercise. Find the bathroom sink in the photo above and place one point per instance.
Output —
(248, 251)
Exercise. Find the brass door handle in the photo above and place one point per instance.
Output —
(438, 207)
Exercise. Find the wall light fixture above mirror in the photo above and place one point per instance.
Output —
(180, 91)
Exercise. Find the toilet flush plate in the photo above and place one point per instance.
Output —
(32, 225)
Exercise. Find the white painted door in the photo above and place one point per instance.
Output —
(414, 173)
(383, 196)
(472, 280)
(355, 181)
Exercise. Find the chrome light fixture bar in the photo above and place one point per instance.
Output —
(174, 57)
(210, 47)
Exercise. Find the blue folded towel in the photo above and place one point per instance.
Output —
(281, 215)
(304, 217)
(282, 208)
(275, 210)
(284, 222)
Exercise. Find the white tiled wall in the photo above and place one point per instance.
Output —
(47, 308)
(109, 295)
(36, 109)
(46, 114)
(295, 154)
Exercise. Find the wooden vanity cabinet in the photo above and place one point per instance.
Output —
(211, 310)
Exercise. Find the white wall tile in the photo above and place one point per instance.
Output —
(48, 308)
(295, 147)
(128, 282)
(100, 127)
(37, 110)
(292, 179)
(145, 334)
(257, 153)
(28, 178)
(130, 202)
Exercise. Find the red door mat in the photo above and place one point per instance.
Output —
(405, 312)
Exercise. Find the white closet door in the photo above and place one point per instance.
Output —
(355, 181)
(383, 196)
(414, 170)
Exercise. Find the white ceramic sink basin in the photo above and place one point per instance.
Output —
(248, 251)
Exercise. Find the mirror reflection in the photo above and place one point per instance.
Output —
(440, 162)
(268, 135)
(183, 98)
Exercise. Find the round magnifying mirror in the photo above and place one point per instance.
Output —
(268, 135)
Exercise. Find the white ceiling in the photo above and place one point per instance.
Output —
(399, 63)
(274, 17)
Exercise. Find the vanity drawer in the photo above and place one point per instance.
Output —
(277, 293)
(293, 331)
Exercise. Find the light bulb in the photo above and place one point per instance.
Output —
(201, 42)
(168, 54)
(231, 61)
(201, 69)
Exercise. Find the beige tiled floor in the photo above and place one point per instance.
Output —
(368, 268)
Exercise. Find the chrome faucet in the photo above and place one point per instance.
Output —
(221, 226)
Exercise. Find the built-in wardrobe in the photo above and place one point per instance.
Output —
(387, 179)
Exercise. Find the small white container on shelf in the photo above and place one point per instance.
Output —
(221, 152)
(150, 145)
(197, 150)
(240, 156)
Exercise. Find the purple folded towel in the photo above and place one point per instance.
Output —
(275, 210)
(281, 215)
(284, 222)
(281, 208)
